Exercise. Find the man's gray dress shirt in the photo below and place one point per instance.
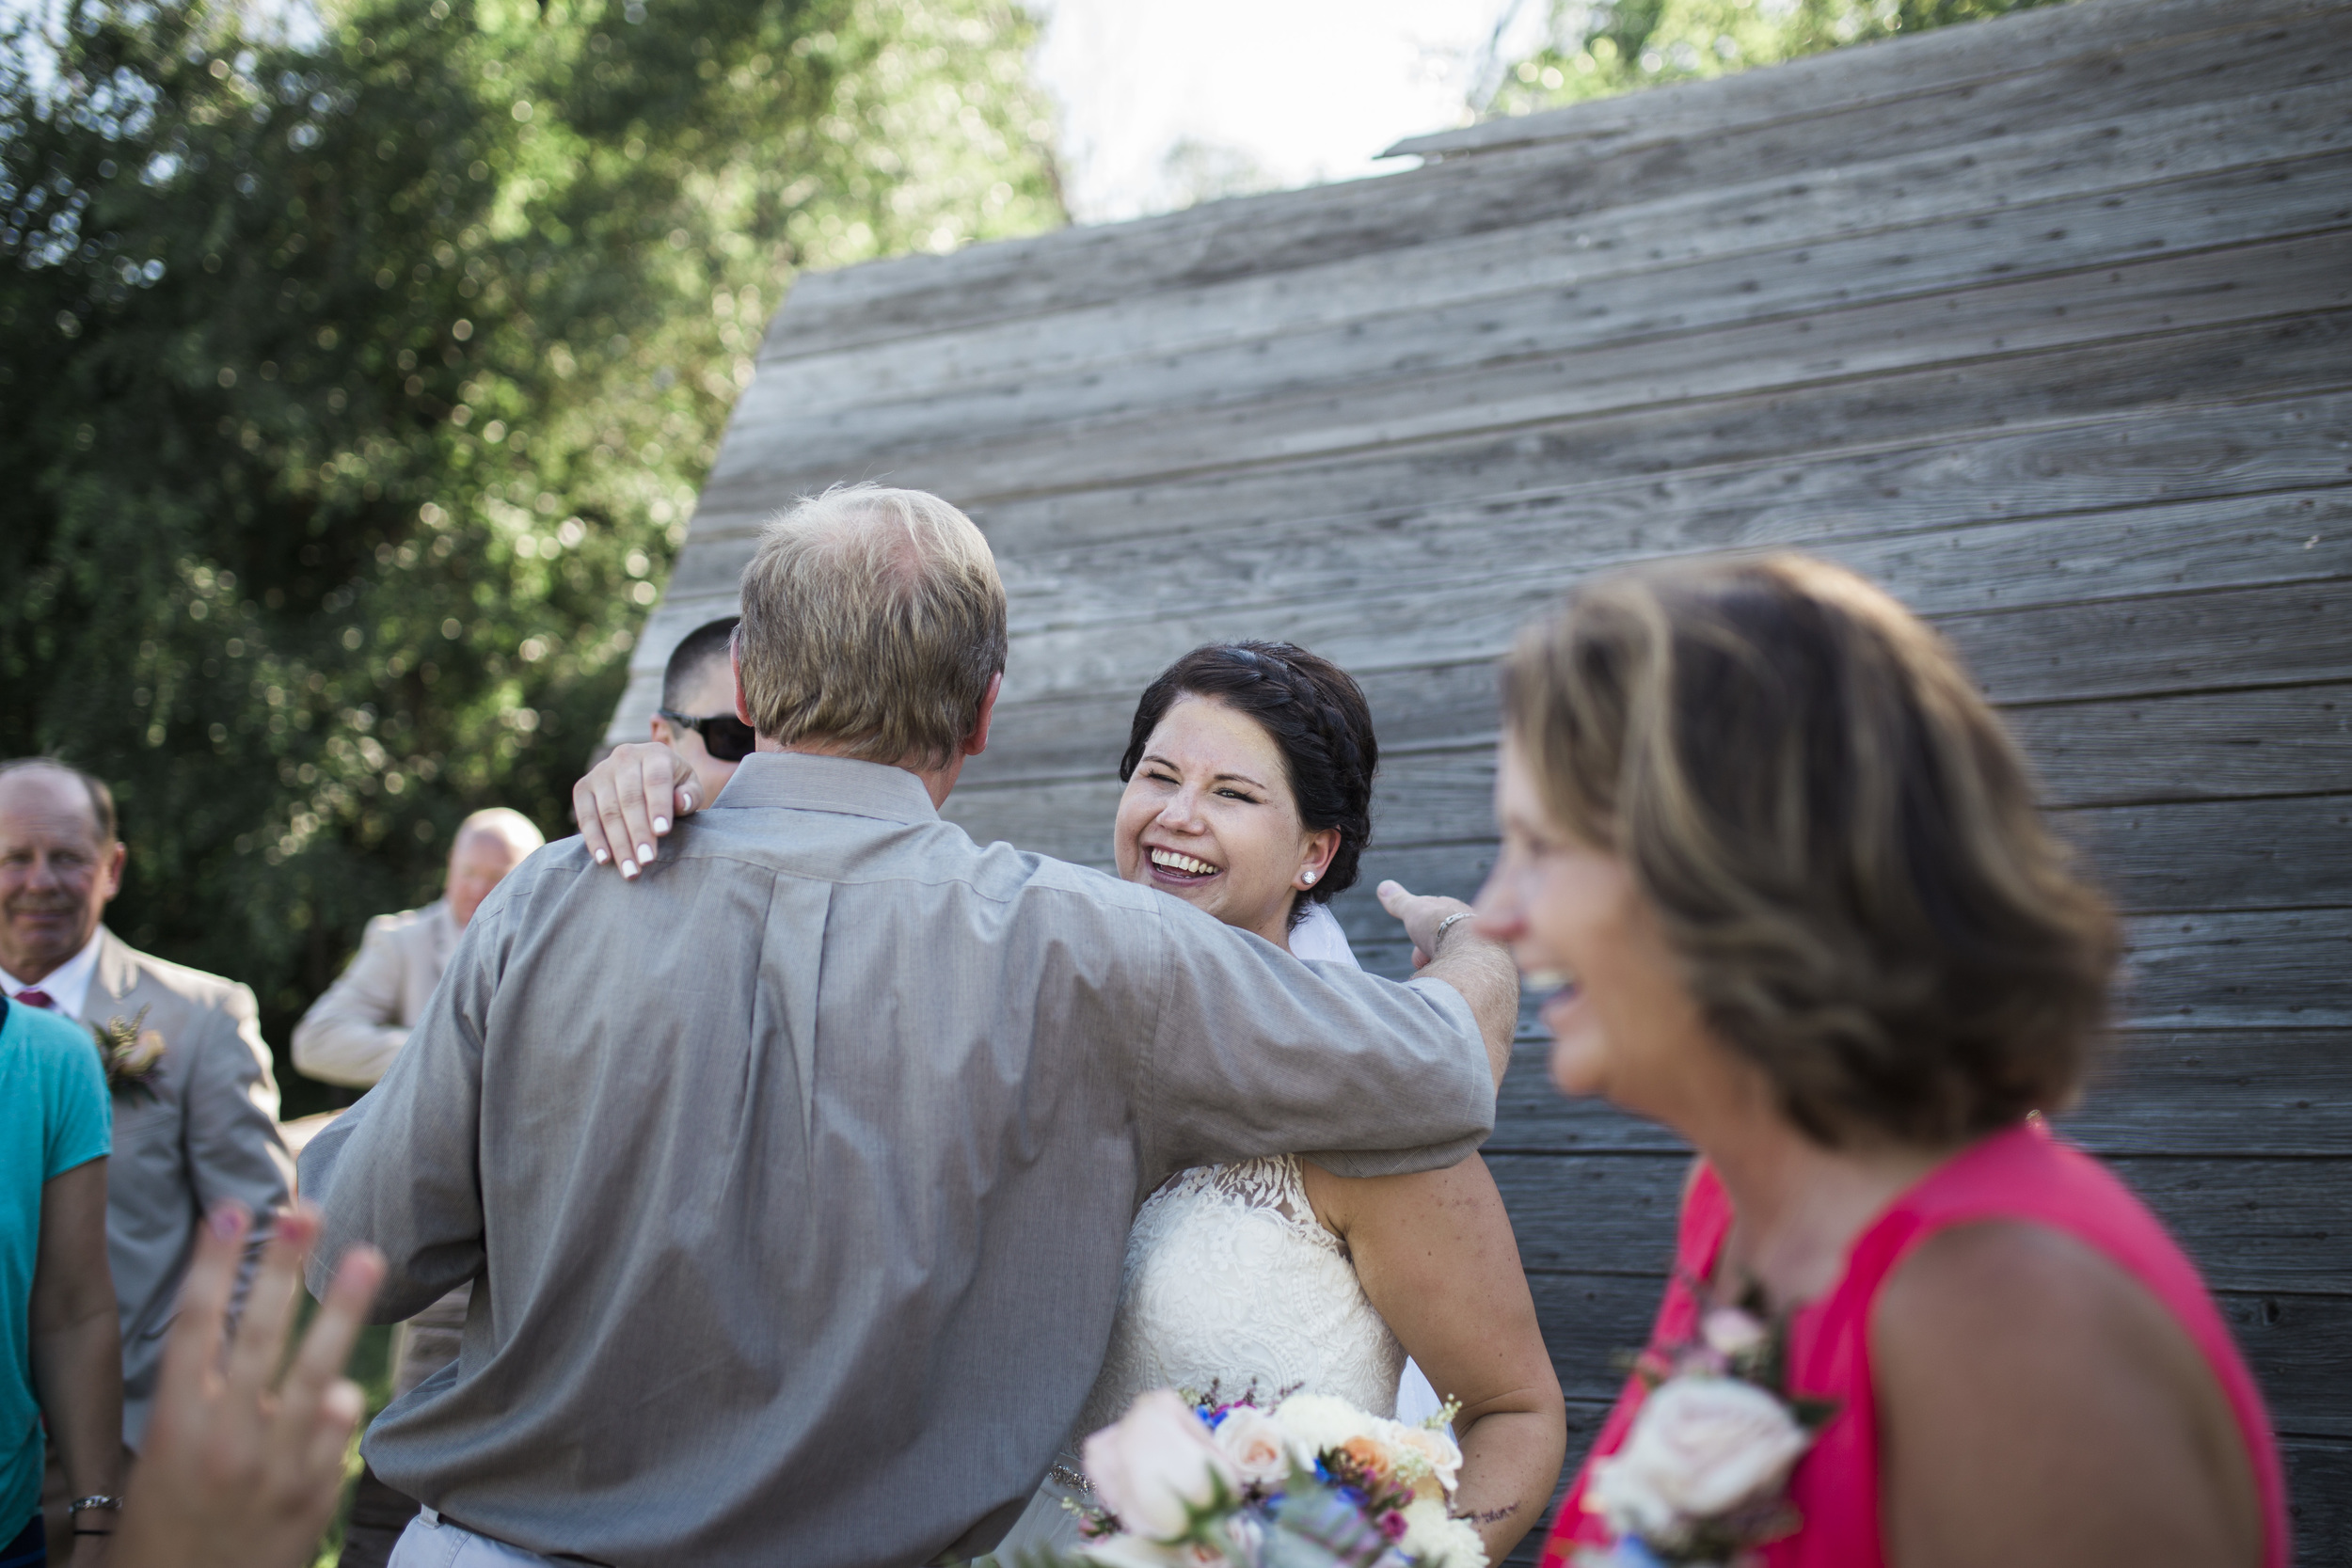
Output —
(795, 1177)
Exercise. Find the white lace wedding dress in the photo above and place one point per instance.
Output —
(1233, 1286)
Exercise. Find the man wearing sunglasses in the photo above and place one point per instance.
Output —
(697, 716)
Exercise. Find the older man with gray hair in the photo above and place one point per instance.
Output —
(797, 1167)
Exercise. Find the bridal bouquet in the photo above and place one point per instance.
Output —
(1313, 1483)
(1700, 1477)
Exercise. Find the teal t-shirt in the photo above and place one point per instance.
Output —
(57, 1117)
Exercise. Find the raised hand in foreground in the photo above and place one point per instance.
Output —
(242, 1467)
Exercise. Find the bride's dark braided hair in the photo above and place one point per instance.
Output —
(1316, 716)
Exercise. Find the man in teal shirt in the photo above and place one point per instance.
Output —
(58, 1323)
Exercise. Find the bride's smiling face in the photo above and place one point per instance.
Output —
(1208, 815)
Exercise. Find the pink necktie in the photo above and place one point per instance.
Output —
(33, 997)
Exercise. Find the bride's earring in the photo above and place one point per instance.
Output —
(1311, 879)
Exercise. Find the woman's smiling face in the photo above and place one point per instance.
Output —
(1623, 1023)
(1208, 815)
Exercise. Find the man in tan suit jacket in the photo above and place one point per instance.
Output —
(350, 1036)
(354, 1030)
(195, 1102)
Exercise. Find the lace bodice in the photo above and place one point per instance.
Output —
(1231, 1281)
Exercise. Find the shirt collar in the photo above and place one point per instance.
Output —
(803, 781)
(68, 985)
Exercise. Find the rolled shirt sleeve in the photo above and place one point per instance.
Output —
(1255, 1053)
(350, 1036)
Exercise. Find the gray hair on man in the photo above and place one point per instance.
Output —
(873, 622)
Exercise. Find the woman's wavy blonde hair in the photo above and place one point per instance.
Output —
(1838, 837)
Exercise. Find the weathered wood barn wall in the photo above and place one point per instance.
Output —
(2045, 323)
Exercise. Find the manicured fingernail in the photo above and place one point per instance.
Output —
(228, 1222)
(629, 868)
(660, 823)
(603, 855)
(644, 854)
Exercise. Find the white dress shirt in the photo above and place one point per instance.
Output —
(68, 985)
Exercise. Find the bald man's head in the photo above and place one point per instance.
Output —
(59, 863)
(489, 844)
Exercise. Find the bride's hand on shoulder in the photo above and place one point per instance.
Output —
(628, 801)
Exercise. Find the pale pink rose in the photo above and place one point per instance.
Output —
(1701, 1447)
(1255, 1444)
(1443, 1454)
(1729, 1331)
(1157, 1467)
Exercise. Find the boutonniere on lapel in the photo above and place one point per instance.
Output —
(130, 1054)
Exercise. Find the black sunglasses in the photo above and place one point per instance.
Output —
(727, 738)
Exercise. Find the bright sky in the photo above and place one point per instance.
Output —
(1291, 91)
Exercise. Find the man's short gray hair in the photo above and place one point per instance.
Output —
(873, 619)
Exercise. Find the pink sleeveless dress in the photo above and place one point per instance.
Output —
(2023, 1174)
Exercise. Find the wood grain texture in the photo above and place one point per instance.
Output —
(1580, 310)
(1514, 187)
(2252, 282)
(2011, 174)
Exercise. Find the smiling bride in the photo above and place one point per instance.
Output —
(1248, 779)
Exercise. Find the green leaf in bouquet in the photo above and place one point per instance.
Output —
(1313, 1526)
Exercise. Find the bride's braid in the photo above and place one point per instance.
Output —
(1316, 716)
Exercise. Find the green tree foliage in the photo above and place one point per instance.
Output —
(354, 390)
(1596, 48)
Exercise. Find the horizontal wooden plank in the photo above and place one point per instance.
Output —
(2207, 1092)
(2240, 970)
(2319, 1498)
(2286, 969)
(2084, 613)
(1835, 81)
(2005, 175)
(2294, 852)
(2256, 281)
(2052, 573)
(802, 413)
(2219, 854)
(2253, 1226)
(1942, 547)
(2201, 746)
(1513, 188)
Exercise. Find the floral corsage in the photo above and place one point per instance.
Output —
(1702, 1477)
(130, 1054)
